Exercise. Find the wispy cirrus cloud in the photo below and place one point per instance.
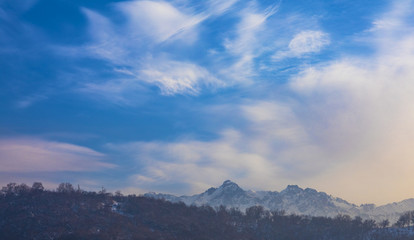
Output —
(217, 7)
(171, 77)
(305, 42)
(247, 45)
(159, 21)
(179, 77)
(107, 43)
(23, 155)
(153, 31)
(30, 100)
(132, 46)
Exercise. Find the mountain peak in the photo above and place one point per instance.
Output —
(228, 183)
(292, 189)
(230, 186)
(210, 191)
(311, 190)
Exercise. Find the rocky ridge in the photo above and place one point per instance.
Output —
(293, 200)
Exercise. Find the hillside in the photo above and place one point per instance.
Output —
(34, 213)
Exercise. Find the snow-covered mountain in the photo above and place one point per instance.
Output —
(293, 200)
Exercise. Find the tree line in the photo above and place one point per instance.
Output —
(72, 213)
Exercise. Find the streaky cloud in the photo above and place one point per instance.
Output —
(25, 155)
(159, 20)
(246, 45)
(178, 77)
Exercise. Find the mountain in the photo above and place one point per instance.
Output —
(33, 213)
(293, 200)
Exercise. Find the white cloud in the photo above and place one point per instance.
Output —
(218, 7)
(250, 24)
(272, 120)
(247, 45)
(395, 19)
(303, 43)
(171, 77)
(271, 146)
(107, 43)
(37, 155)
(160, 20)
(178, 77)
(365, 113)
(128, 47)
(365, 116)
(308, 42)
(199, 164)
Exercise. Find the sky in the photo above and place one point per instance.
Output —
(178, 96)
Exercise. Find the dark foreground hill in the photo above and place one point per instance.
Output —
(33, 213)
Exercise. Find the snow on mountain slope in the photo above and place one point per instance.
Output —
(293, 200)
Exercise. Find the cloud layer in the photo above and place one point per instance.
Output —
(346, 128)
(20, 155)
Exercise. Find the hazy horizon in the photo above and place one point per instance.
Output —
(178, 96)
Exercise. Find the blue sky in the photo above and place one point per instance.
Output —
(177, 96)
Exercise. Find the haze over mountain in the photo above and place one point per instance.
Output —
(293, 200)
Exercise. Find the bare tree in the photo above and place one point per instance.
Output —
(385, 223)
(65, 188)
(37, 186)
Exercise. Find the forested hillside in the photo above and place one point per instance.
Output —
(66, 213)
